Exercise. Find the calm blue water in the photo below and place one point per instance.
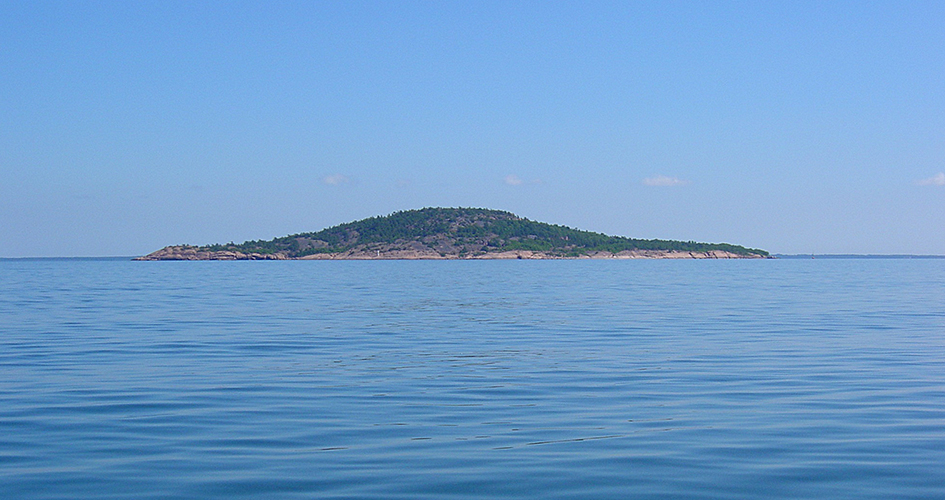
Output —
(493, 379)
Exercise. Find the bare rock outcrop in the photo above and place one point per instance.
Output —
(186, 252)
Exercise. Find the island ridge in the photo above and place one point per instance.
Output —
(453, 233)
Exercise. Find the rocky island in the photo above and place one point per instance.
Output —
(454, 233)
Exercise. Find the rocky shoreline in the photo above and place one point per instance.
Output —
(197, 253)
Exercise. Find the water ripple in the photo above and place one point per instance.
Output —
(574, 379)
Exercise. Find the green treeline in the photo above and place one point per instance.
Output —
(481, 229)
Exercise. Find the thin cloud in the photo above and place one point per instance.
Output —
(662, 180)
(936, 180)
(513, 180)
(336, 179)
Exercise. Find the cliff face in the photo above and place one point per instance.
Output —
(453, 233)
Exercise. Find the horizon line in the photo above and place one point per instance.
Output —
(773, 254)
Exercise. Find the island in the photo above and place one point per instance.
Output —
(454, 233)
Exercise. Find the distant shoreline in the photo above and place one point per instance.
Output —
(854, 256)
(109, 257)
(194, 253)
(775, 256)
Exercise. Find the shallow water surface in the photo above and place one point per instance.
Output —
(483, 379)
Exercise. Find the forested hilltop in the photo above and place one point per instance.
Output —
(452, 233)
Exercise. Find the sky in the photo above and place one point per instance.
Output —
(795, 127)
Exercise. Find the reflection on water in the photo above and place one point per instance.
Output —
(568, 379)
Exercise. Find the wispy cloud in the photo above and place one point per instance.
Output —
(936, 180)
(513, 180)
(336, 179)
(662, 180)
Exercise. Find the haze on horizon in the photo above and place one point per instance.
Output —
(795, 127)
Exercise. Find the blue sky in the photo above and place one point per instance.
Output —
(791, 126)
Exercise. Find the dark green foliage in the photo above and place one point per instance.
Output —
(470, 229)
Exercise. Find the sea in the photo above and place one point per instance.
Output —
(564, 379)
